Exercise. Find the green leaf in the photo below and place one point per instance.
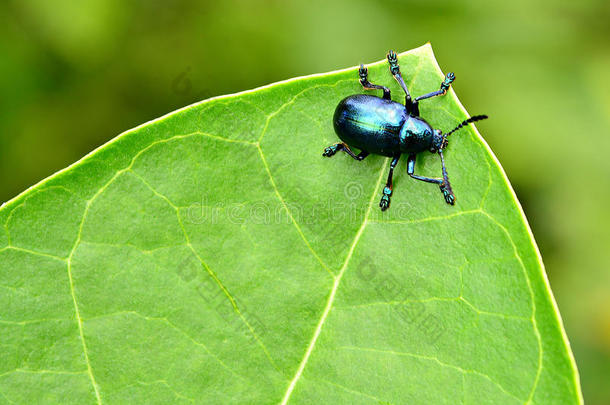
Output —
(213, 255)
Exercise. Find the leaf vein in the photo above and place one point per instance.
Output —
(166, 384)
(213, 275)
(435, 299)
(531, 291)
(344, 388)
(293, 100)
(29, 321)
(296, 225)
(42, 371)
(173, 326)
(33, 252)
(436, 360)
(427, 219)
(333, 291)
(76, 243)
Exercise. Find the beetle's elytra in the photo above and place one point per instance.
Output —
(384, 127)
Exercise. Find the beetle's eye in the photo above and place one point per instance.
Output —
(427, 132)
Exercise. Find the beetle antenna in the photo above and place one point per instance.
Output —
(466, 122)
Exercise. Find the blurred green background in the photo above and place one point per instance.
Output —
(75, 74)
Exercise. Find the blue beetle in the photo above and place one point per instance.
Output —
(384, 127)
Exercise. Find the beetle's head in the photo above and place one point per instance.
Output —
(439, 141)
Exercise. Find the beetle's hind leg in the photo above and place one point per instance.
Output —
(331, 150)
(387, 190)
(364, 81)
(443, 183)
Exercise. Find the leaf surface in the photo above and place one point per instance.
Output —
(214, 256)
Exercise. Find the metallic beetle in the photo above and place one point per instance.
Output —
(384, 127)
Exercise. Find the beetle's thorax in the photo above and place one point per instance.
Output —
(415, 135)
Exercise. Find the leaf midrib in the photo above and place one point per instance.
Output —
(333, 291)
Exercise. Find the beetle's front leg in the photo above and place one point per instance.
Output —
(395, 70)
(387, 190)
(443, 183)
(449, 78)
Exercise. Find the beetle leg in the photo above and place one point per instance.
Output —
(449, 78)
(387, 190)
(359, 156)
(443, 183)
(395, 70)
(331, 150)
(364, 81)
